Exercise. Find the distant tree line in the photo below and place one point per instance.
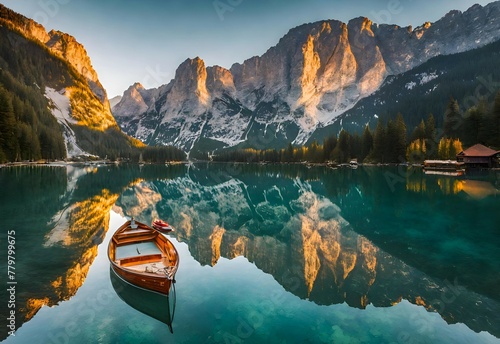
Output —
(391, 142)
(115, 145)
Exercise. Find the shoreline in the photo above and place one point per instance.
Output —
(82, 163)
(62, 163)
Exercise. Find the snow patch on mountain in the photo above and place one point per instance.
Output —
(60, 106)
(422, 79)
(232, 134)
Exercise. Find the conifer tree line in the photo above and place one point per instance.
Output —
(26, 134)
(114, 145)
(392, 141)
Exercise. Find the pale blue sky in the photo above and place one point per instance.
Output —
(144, 41)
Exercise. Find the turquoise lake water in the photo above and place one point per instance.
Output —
(268, 254)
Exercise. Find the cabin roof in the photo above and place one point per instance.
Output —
(478, 150)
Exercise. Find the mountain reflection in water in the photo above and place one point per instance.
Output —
(288, 225)
(368, 236)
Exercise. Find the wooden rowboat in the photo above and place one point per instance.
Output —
(143, 256)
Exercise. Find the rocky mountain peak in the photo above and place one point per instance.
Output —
(26, 26)
(132, 102)
(361, 24)
(68, 48)
(190, 81)
(138, 86)
(220, 80)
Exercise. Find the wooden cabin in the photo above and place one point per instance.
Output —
(479, 156)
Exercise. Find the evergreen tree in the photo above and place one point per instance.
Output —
(475, 124)
(29, 145)
(494, 138)
(355, 147)
(390, 143)
(453, 120)
(431, 143)
(379, 143)
(401, 131)
(342, 149)
(8, 132)
(430, 128)
(329, 145)
(367, 143)
(314, 152)
(419, 132)
(288, 155)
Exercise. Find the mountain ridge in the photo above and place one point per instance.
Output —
(316, 72)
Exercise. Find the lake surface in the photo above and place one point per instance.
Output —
(268, 254)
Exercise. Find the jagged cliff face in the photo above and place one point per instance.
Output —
(315, 73)
(70, 50)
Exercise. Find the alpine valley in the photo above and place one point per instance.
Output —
(311, 84)
(318, 79)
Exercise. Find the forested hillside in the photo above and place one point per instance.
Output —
(28, 130)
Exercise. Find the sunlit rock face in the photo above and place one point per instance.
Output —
(70, 50)
(316, 72)
(61, 44)
(219, 81)
(28, 27)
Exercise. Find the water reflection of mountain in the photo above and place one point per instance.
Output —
(282, 220)
(60, 215)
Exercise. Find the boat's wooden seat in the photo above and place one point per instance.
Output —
(144, 259)
(126, 238)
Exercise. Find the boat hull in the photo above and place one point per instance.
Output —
(156, 283)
